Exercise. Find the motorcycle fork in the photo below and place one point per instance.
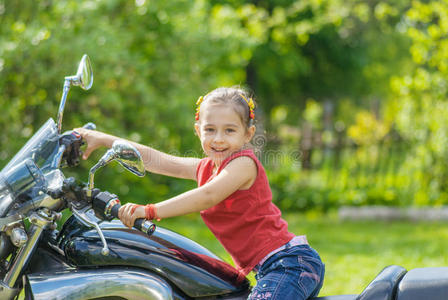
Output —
(40, 221)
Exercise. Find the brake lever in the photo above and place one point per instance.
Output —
(81, 214)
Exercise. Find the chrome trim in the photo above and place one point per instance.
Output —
(7, 293)
(83, 78)
(123, 152)
(62, 104)
(46, 201)
(39, 222)
(18, 237)
(148, 227)
(101, 163)
(10, 220)
(98, 283)
(86, 221)
(58, 157)
(110, 204)
(129, 157)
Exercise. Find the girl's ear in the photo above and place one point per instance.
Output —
(250, 133)
(197, 129)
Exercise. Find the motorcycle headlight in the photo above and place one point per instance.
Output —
(19, 183)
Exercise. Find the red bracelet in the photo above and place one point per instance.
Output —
(150, 212)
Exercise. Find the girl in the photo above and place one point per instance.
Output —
(233, 197)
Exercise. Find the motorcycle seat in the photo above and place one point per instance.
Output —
(383, 287)
(424, 283)
(385, 284)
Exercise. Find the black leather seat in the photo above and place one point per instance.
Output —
(424, 283)
(385, 284)
(383, 287)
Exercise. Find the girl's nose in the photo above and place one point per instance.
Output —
(218, 137)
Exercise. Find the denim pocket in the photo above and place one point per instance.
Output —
(293, 273)
(311, 275)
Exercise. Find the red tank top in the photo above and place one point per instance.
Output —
(247, 223)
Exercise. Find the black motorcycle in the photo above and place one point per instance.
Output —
(94, 256)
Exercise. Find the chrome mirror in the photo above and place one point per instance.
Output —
(123, 152)
(129, 157)
(83, 78)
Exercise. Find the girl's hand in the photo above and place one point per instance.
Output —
(129, 212)
(93, 139)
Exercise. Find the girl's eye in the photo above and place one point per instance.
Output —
(208, 129)
(230, 130)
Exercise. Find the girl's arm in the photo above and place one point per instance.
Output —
(154, 160)
(240, 173)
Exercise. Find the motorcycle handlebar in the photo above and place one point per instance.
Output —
(143, 225)
(72, 143)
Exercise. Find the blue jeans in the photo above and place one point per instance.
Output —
(296, 272)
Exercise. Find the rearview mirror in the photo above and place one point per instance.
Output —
(129, 157)
(84, 76)
(123, 152)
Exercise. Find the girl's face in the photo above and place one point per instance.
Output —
(221, 131)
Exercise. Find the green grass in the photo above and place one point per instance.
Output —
(354, 252)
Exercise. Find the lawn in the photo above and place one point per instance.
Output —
(354, 252)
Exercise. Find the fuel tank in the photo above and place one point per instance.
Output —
(185, 264)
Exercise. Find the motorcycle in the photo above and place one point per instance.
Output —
(94, 256)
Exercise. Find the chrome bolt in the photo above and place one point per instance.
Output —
(18, 237)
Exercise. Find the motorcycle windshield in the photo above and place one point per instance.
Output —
(23, 177)
(41, 148)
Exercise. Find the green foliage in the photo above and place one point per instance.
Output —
(367, 129)
(382, 66)
(151, 61)
(419, 99)
(387, 173)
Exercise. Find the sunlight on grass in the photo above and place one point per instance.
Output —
(354, 252)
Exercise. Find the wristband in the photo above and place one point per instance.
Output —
(150, 212)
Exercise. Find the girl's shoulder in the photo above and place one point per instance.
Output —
(205, 166)
(241, 155)
(242, 161)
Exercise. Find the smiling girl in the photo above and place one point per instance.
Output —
(233, 197)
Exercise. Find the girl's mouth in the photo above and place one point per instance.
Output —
(219, 150)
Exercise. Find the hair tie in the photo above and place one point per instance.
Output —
(198, 106)
(251, 105)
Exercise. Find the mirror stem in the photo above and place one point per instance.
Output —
(62, 104)
(91, 178)
(107, 158)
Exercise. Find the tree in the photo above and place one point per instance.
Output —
(419, 102)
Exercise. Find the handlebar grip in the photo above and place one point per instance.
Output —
(143, 225)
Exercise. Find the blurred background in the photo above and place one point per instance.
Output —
(351, 98)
